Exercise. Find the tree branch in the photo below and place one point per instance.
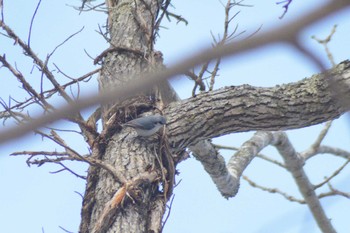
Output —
(214, 165)
(294, 164)
(244, 108)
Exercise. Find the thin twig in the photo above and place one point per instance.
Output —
(285, 6)
(26, 85)
(273, 190)
(259, 155)
(65, 230)
(168, 212)
(52, 91)
(31, 22)
(337, 192)
(335, 173)
(325, 43)
(35, 153)
(321, 136)
(63, 42)
(29, 52)
(65, 168)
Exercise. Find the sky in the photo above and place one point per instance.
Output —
(32, 199)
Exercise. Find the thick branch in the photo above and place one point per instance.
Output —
(244, 108)
(214, 164)
(241, 159)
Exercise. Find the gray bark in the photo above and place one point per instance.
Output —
(131, 53)
(244, 108)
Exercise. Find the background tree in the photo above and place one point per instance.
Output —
(129, 181)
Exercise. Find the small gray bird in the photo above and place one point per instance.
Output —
(148, 125)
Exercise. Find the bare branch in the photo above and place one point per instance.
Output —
(224, 39)
(42, 65)
(273, 190)
(325, 150)
(168, 211)
(63, 42)
(70, 155)
(294, 164)
(65, 230)
(260, 155)
(34, 153)
(87, 6)
(51, 92)
(168, 14)
(285, 6)
(337, 192)
(335, 173)
(314, 148)
(25, 84)
(215, 166)
(197, 81)
(335, 151)
(31, 22)
(322, 135)
(325, 42)
(65, 168)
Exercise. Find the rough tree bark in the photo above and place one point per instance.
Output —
(135, 199)
(131, 53)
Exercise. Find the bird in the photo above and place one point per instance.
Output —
(147, 126)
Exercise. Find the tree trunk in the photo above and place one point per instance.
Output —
(140, 202)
